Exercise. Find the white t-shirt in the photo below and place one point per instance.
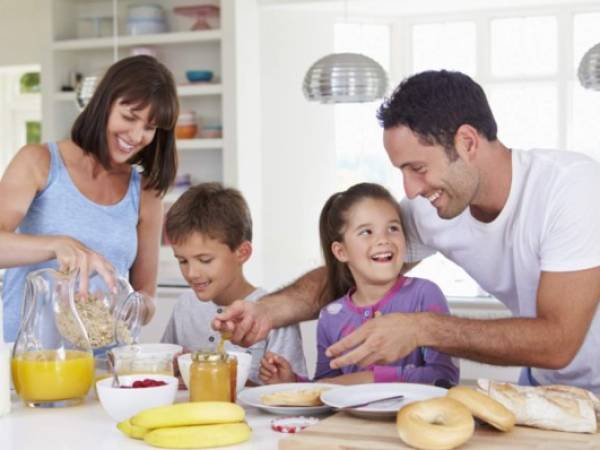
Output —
(190, 326)
(551, 222)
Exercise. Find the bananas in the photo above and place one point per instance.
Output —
(189, 425)
(200, 436)
(193, 413)
(133, 431)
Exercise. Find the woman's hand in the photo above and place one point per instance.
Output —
(275, 369)
(73, 255)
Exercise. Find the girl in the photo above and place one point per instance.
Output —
(93, 202)
(363, 246)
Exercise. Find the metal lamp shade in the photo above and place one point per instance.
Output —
(345, 78)
(589, 69)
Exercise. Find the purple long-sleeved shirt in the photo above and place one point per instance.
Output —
(423, 365)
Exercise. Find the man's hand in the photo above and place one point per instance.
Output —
(246, 322)
(276, 369)
(381, 340)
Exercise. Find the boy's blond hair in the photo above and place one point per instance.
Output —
(214, 210)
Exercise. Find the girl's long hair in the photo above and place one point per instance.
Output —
(332, 225)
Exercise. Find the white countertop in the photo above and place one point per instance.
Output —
(88, 426)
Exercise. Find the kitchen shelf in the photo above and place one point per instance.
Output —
(178, 37)
(189, 90)
(199, 144)
(185, 90)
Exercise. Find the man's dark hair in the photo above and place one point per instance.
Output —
(434, 104)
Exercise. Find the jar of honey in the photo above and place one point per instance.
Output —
(232, 362)
(210, 378)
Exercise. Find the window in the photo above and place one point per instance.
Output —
(529, 77)
(357, 134)
(20, 110)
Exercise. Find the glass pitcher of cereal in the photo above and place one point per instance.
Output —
(53, 363)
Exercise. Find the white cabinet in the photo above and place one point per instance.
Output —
(231, 100)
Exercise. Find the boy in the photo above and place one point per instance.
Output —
(210, 230)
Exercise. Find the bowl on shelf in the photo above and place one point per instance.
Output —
(121, 403)
(194, 76)
(187, 126)
(211, 132)
(244, 361)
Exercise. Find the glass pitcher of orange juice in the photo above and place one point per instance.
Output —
(52, 362)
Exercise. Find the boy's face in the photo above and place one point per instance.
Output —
(210, 267)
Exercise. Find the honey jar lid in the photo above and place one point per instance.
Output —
(207, 356)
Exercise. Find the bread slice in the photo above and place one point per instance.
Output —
(296, 397)
(551, 407)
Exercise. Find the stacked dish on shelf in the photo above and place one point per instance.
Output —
(146, 19)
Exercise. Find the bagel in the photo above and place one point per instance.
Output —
(437, 424)
(484, 407)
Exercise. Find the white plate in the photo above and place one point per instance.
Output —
(341, 397)
(251, 397)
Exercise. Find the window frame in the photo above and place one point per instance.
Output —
(401, 58)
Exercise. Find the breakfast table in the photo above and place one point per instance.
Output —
(88, 426)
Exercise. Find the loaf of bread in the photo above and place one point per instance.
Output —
(552, 407)
(296, 397)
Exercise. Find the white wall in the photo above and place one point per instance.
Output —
(22, 32)
(298, 143)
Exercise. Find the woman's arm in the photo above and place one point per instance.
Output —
(24, 177)
(144, 271)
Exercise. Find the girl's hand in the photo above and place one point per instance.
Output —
(275, 369)
(73, 255)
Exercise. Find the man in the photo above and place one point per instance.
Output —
(523, 224)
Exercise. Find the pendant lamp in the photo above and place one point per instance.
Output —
(589, 69)
(345, 78)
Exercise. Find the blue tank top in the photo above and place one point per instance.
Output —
(61, 209)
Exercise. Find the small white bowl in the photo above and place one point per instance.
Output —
(122, 403)
(243, 368)
(146, 358)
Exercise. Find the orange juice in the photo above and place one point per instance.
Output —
(45, 376)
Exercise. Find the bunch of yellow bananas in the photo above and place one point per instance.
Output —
(189, 425)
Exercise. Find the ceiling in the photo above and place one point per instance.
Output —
(412, 7)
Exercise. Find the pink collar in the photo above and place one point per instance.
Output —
(381, 303)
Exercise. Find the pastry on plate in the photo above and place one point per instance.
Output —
(294, 397)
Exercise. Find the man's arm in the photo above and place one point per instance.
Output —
(302, 300)
(566, 304)
(250, 322)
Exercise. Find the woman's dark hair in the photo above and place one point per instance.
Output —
(138, 81)
(434, 104)
(332, 225)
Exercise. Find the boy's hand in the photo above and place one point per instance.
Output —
(275, 369)
(245, 321)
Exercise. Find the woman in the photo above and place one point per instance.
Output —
(93, 202)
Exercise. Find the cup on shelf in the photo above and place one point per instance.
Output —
(187, 126)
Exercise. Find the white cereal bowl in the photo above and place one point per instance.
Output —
(243, 368)
(122, 403)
